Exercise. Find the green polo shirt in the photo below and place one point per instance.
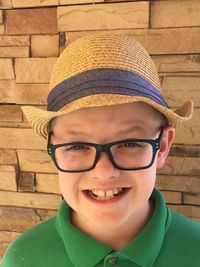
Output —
(168, 240)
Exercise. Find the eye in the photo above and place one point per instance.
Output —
(131, 145)
(76, 147)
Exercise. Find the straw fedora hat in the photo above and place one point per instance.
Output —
(99, 70)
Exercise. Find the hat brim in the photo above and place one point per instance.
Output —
(39, 119)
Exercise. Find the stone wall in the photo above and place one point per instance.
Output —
(32, 35)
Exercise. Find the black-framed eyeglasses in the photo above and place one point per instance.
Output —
(128, 154)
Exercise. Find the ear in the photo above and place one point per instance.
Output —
(165, 145)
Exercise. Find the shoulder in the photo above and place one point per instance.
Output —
(181, 224)
(182, 240)
(33, 245)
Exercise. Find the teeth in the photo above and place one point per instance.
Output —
(101, 194)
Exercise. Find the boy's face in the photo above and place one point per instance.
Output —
(103, 125)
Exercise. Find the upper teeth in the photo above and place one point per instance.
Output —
(108, 193)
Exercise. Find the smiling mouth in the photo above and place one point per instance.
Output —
(106, 195)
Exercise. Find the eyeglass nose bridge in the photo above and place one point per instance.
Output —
(104, 148)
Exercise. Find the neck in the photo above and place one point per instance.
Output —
(116, 238)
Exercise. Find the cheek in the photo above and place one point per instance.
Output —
(68, 186)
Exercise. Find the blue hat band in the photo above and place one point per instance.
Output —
(102, 81)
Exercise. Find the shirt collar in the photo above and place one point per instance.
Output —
(143, 250)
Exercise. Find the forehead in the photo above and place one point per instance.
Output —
(137, 113)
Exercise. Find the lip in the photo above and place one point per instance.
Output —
(109, 201)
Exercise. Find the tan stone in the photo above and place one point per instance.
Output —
(34, 94)
(8, 181)
(177, 63)
(30, 200)
(180, 183)
(32, 21)
(33, 70)
(47, 183)
(74, 2)
(8, 160)
(45, 45)
(178, 90)
(34, 3)
(10, 113)
(21, 139)
(159, 41)
(186, 210)
(2, 29)
(19, 219)
(10, 124)
(7, 89)
(23, 93)
(15, 51)
(1, 16)
(188, 132)
(5, 4)
(35, 161)
(193, 199)
(14, 40)
(175, 13)
(181, 166)
(5, 239)
(8, 156)
(172, 197)
(6, 69)
(103, 16)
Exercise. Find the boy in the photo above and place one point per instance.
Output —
(108, 129)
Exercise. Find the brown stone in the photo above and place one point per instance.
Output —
(5, 239)
(186, 210)
(35, 161)
(26, 182)
(31, 21)
(180, 183)
(6, 69)
(172, 197)
(10, 113)
(104, 16)
(47, 183)
(21, 139)
(188, 151)
(34, 70)
(14, 40)
(34, 3)
(20, 219)
(30, 200)
(8, 181)
(14, 51)
(45, 45)
(193, 199)
(181, 166)
(175, 14)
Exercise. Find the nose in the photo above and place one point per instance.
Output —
(104, 168)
